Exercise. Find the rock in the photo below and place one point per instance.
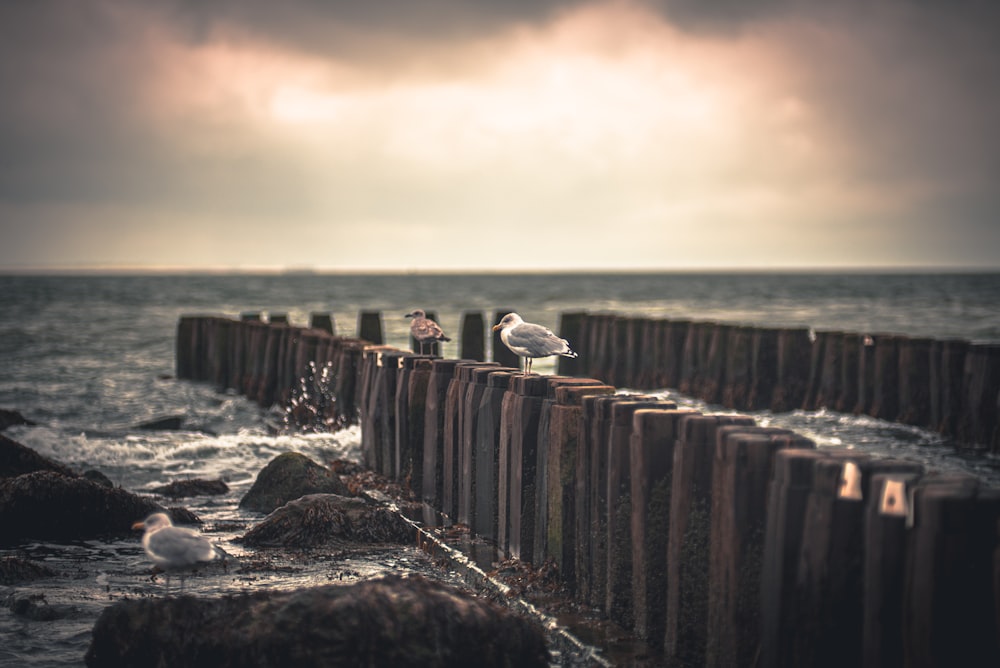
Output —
(287, 477)
(193, 487)
(46, 505)
(168, 423)
(99, 478)
(35, 608)
(10, 418)
(17, 459)
(393, 621)
(15, 569)
(328, 519)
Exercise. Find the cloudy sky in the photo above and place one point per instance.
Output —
(499, 134)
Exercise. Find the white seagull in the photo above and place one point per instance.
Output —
(424, 330)
(174, 548)
(528, 340)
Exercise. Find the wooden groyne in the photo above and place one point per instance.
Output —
(718, 542)
(950, 386)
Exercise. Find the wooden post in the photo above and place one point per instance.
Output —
(740, 475)
(323, 321)
(885, 566)
(473, 336)
(478, 379)
(488, 428)
(540, 551)
(442, 372)
(685, 639)
(571, 329)
(563, 454)
(651, 458)
(950, 609)
(618, 587)
(370, 326)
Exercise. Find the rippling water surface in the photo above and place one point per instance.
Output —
(90, 358)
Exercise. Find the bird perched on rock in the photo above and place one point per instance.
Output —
(529, 340)
(424, 330)
(174, 548)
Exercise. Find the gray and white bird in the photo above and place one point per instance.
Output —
(529, 340)
(424, 330)
(174, 548)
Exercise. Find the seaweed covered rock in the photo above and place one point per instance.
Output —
(15, 569)
(328, 519)
(393, 621)
(46, 505)
(288, 477)
(192, 487)
(17, 459)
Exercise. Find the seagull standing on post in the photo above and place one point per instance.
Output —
(424, 330)
(529, 340)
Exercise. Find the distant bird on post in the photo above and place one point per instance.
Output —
(529, 340)
(424, 330)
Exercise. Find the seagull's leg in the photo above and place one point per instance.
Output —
(527, 366)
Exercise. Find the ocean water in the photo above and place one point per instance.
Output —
(88, 358)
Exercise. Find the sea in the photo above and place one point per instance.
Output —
(90, 358)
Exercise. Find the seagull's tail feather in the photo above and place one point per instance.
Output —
(569, 353)
(443, 338)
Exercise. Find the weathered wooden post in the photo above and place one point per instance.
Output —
(947, 368)
(688, 544)
(563, 453)
(740, 475)
(324, 322)
(540, 547)
(442, 372)
(488, 427)
(651, 458)
(949, 602)
(914, 381)
(885, 379)
(370, 326)
(792, 372)
(478, 378)
(980, 390)
(411, 411)
(618, 588)
(886, 516)
(451, 463)
(571, 329)
(473, 336)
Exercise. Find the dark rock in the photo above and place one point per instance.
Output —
(12, 419)
(16, 569)
(168, 423)
(35, 608)
(394, 621)
(46, 505)
(328, 519)
(287, 477)
(180, 515)
(99, 478)
(17, 459)
(194, 487)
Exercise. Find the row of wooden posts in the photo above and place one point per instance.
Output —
(951, 386)
(717, 541)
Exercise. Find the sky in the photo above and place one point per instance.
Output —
(499, 135)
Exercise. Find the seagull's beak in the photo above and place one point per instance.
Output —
(408, 315)
(496, 327)
(138, 526)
